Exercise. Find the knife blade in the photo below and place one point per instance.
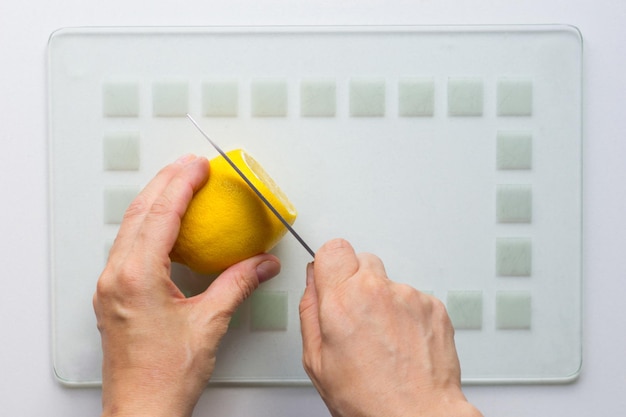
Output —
(255, 189)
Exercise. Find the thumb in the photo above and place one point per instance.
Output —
(237, 283)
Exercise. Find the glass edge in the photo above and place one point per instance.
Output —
(531, 380)
(226, 382)
(104, 30)
(241, 29)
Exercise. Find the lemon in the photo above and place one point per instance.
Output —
(226, 222)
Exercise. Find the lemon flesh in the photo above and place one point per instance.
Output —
(226, 222)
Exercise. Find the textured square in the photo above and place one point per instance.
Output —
(220, 99)
(269, 98)
(465, 97)
(121, 151)
(514, 150)
(416, 97)
(515, 97)
(318, 98)
(513, 310)
(513, 257)
(514, 203)
(170, 99)
(465, 309)
(367, 98)
(268, 310)
(120, 99)
(116, 201)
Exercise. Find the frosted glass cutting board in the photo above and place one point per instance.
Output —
(453, 153)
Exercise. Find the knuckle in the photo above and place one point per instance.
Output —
(307, 362)
(370, 258)
(103, 287)
(129, 277)
(102, 300)
(245, 284)
(95, 302)
(311, 361)
(116, 289)
(169, 170)
(137, 208)
(372, 287)
(372, 263)
(162, 206)
(440, 313)
(407, 293)
(434, 304)
(439, 309)
(121, 279)
(336, 245)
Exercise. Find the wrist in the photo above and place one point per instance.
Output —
(135, 408)
(142, 407)
(147, 397)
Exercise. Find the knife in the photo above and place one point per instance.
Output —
(256, 190)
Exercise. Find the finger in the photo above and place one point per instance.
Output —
(140, 206)
(309, 319)
(237, 283)
(162, 223)
(335, 262)
(373, 264)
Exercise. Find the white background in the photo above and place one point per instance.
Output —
(28, 387)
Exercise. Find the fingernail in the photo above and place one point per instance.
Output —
(267, 270)
(185, 159)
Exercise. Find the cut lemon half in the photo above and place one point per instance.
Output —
(226, 222)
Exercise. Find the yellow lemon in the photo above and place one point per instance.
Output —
(226, 222)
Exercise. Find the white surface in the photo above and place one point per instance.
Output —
(442, 234)
(29, 387)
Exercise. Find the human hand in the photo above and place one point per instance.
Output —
(158, 346)
(373, 347)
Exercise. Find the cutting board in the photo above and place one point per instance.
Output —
(453, 153)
